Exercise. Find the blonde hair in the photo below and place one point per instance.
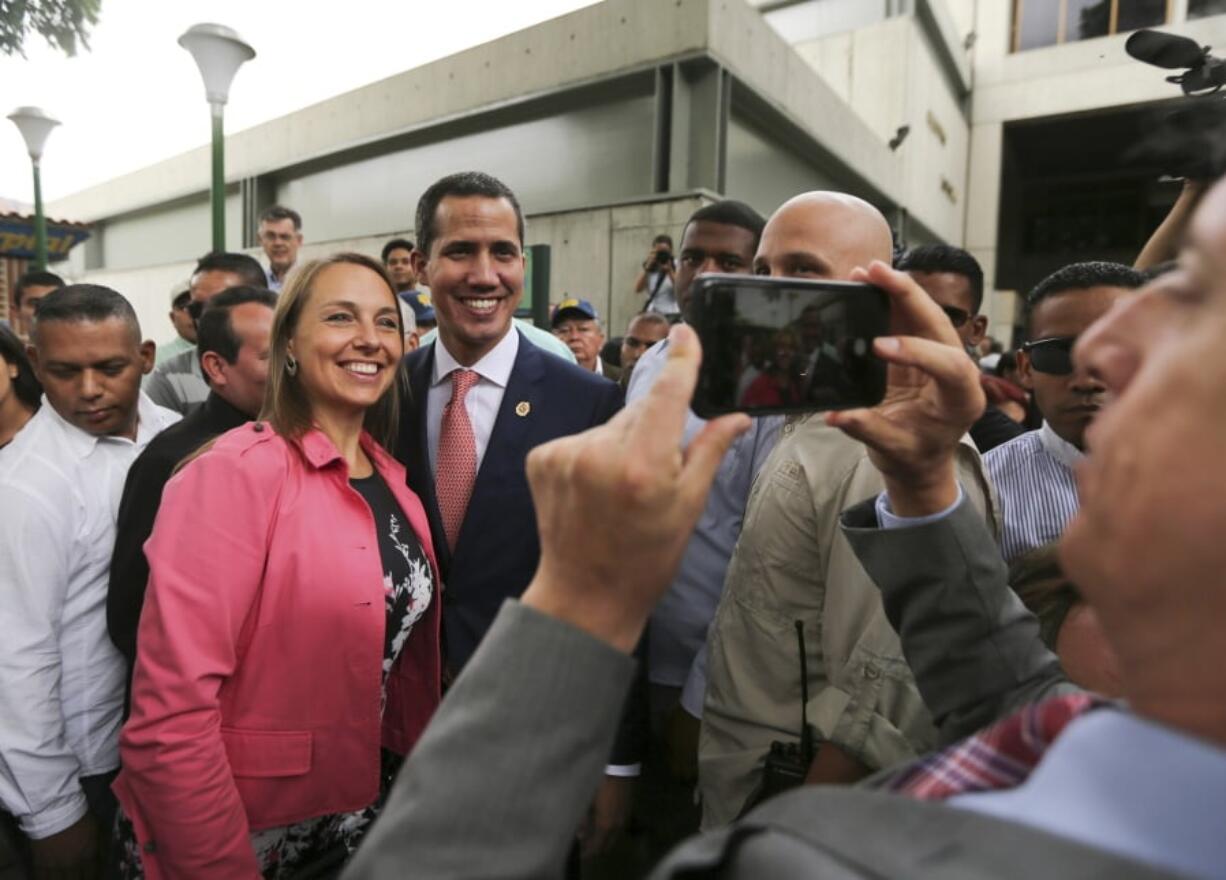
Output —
(286, 406)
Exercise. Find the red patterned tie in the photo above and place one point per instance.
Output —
(456, 469)
(998, 757)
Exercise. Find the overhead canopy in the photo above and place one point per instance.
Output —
(17, 237)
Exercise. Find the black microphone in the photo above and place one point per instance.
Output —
(1165, 50)
(1204, 74)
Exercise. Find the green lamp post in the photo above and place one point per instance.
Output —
(35, 126)
(219, 52)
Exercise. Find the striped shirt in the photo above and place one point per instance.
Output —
(1033, 477)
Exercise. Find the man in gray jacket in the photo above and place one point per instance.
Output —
(515, 752)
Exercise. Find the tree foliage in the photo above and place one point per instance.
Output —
(64, 24)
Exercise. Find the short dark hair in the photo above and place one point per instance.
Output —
(84, 302)
(35, 279)
(729, 212)
(214, 330)
(396, 244)
(242, 265)
(181, 300)
(1081, 276)
(465, 183)
(13, 351)
(663, 238)
(651, 318)
(945, 258)
(277, 213)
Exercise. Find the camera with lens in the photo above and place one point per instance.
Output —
(1191, 140)
(664, 258)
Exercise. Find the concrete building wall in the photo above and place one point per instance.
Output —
(588, 155)
(890, 75)
(764, 173)
(178, 231)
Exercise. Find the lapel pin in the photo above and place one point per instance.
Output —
(523, 408)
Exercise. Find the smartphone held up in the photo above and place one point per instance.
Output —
(784, 345)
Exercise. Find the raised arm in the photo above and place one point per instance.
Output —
(974, 650)
(1163, 245)
(501, 777)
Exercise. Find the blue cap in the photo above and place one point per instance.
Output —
(423, 309)
(573, 308)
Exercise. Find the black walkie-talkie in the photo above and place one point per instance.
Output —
(787, 763)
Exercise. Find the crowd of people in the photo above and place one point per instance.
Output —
(363, 574)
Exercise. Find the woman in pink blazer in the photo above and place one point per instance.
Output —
(288, 651)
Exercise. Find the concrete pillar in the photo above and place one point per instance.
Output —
(699, 96)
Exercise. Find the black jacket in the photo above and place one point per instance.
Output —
(138, 507)
(497, 549)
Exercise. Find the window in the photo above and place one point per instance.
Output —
(1203, 8)
(1038, 23)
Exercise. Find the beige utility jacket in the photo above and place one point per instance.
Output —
(793, 563)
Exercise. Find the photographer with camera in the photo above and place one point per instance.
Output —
(656, 279)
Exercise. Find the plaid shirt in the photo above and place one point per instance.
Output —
(998, 757)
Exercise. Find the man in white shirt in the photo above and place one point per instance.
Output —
(485, 396)
(1033, 473)
(61, 679)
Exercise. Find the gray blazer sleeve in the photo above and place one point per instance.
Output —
(504, 772)
(973, 647)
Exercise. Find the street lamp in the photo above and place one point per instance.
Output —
(219, 52)
(34, 126)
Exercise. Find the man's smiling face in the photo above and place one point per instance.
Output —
(475, 272)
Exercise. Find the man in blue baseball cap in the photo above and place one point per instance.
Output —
(576, 322)
(423, 311)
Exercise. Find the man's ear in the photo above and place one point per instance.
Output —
(420, 264)
(979, 327)
(1024, 373)
(213, 366)
(148, 354)
(32, 354)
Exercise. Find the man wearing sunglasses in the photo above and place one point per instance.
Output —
(178, 383)
(1033, 474)
(954, 280)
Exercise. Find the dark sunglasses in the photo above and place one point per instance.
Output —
(957, 316)
(1053, 356)
(195, 308)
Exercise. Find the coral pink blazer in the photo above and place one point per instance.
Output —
(257, 689)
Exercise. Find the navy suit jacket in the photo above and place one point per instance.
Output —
(497, 549)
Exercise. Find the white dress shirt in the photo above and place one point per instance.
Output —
(483, 399)
(61, 679)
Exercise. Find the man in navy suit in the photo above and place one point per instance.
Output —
(480, 398)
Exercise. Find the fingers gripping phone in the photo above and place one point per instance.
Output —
(782, 345)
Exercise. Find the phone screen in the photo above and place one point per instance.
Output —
(779, 345)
